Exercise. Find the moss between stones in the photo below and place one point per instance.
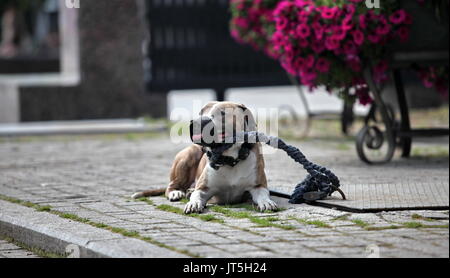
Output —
(260, 221)
(204, 217)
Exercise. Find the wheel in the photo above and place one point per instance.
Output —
(370, 145)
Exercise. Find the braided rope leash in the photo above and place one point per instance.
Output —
(318, 184)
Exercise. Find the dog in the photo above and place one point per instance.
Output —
(223, 184)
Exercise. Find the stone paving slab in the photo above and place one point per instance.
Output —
(398, 196)
(94, 178)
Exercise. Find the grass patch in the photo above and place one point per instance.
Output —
(184, 201)
(204, 217)
(341, 218)
(360, 223)
(123, 231)
(146, 200)
(71, 216)
(251, 207)
(265, 222)
(25, 203)
(413, 225)
(230, 213)
(169, 208)
(420, 217)
(260, 221)
(44, 208)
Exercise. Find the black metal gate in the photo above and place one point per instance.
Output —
(190, 48)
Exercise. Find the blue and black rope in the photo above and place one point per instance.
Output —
(319, 183)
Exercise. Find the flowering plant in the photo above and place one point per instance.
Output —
(253, 23)
(325, 42)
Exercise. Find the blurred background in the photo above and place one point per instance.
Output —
(112, 59)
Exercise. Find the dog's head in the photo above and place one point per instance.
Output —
(219, 120)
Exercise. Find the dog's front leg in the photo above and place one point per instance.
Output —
(197, 202)
(200, 196)
(261, 197)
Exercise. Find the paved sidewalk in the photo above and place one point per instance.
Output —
(90, 180)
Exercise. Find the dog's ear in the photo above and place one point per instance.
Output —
(207, 107)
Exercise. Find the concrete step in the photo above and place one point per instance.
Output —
(80, 127)
(58, 235)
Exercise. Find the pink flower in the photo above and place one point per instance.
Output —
(351, 9)
(354, 63)
(308, 77)
(329, 13)
(338, 33)
(384, 28)
(288, 67)
(235, 34)
(318, 29)
(299, 63)
(350, 48)
(379, 71)
(398, 17)
(358, 37)
(332, 43)
(309, 61)
(302, 3)
(363, 94)
(363, 21)
(323, 65)
(281, 23)
(347, 23)
(317, 46)
(303, 31)
(303, 43)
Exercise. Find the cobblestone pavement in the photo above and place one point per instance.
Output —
(10, 250)
(93, 179)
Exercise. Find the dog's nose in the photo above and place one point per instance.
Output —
(202, 130)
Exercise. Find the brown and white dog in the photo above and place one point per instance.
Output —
(227, 184)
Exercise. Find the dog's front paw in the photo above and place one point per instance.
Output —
(193, 207)
(267, 205)
(176, 195)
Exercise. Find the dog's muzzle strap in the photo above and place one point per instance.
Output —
(217, 159)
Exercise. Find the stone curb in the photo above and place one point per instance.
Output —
(54, 234)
